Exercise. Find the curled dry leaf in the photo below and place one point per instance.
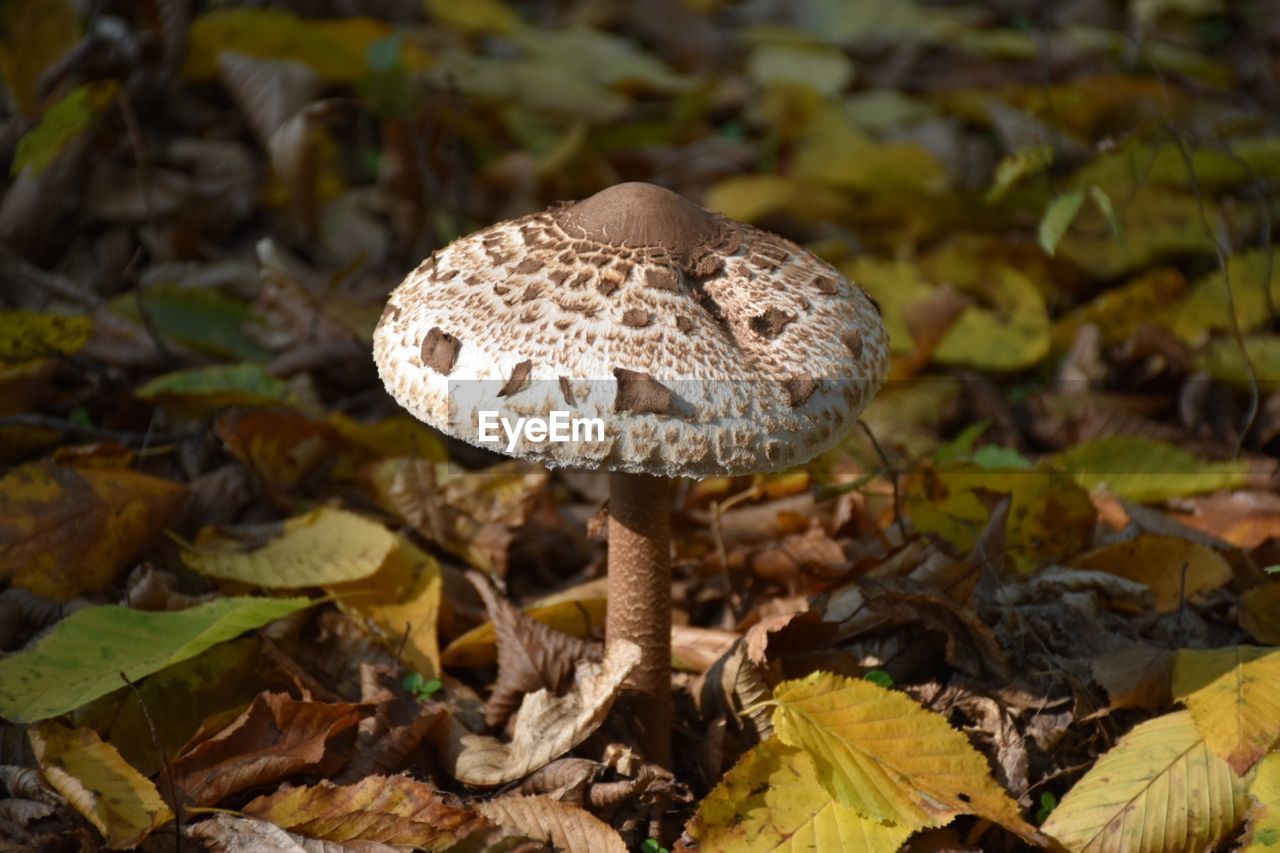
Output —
(385, 809)
(733, 690)
(560, 825)
(113, 796)
(531, 655)
(272, 739)
(224, 833)
(546, 727)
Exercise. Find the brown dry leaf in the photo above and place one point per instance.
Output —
(66, 531)
(734, 688)
(471, 513)
(272, 739)
(697, 649)
(578, 612)
(1161, 562)
(386, 809)
(268, 91)
(225, 833)
(117, 799)
(280, 447)
(547, 726)
(560, 825)
(1245, 519)
(1137, 677)
(400, 723)
(531, 656)
(1260, 613)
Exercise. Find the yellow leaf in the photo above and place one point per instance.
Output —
(1011, 334)
(26, 336)
(1264, 817)
(1159, 789)
(1017, 165)
(113, 796)
(1050, 517)
(474, 16)
(32, 37)
(1234, 697)
(772, 799)
(577, 617)
(1224, 361)
(1204, 309)
(325, 546)
(1147, 471)
(1260, 613)
(750, 198)
(835, 153)
(1156, 223)
(1119, 311)
(1176, 569)
(336, 48)
(887, 758)
(800, 62)
(67, 531)
(400, 604)
(395, 436)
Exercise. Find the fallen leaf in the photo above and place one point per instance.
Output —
(1162, 767)
(399, 603)
(1263, 827)
(85, 653)
(577, 617)
(274, 738)
(773, 799)
(559, 825)
(63, 124)
(386, 809)
(878, 752)
(546, 726)
(66, 530)
(118, 800)
(1254, 288)
(531, 656)
(1175, 569)
(32, 38)
(1260, 613)
(475, 17)
(1137, 677)
(203, 389)
(325, 546)
(1148, 471)
(199, 317)
(1234, 697)
(225, 833)
(26, 336)
(1246, 519)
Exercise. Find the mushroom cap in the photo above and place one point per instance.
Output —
(703, 345)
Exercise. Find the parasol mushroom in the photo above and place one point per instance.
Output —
(703, 347)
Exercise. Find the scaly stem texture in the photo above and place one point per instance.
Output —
(640, 599)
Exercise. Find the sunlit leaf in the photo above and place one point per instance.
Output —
(1176, 569)
(1140, 469)
(475, 16)
(772, 799)
(1016, 166)
(1128, 800)
(886, 757)
(576, 617)
(83, 656)
(1234, 697)
(562, 826)
(118, 800)
(1263, 828)
(835, 153)
(1254, 279)
(325, 546)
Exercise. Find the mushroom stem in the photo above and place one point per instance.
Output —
(640, 599)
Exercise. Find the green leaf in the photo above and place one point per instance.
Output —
(215, 387)
(1146, 471)
(201, 318)
(1103, 202)
(84, 655)
(1048, 802)
(63, 123)
(879, 676)
(1058, 218)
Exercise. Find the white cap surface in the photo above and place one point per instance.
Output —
(705, 346)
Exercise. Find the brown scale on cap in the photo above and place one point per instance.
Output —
(440, 350)
(640, 392)
(771, 323)
(800, 389)
(635, 317)
(518, 380)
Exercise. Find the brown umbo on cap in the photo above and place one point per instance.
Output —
(705, 346)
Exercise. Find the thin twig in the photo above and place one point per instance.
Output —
(126, 437)
(893, 479)
(164, 763)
